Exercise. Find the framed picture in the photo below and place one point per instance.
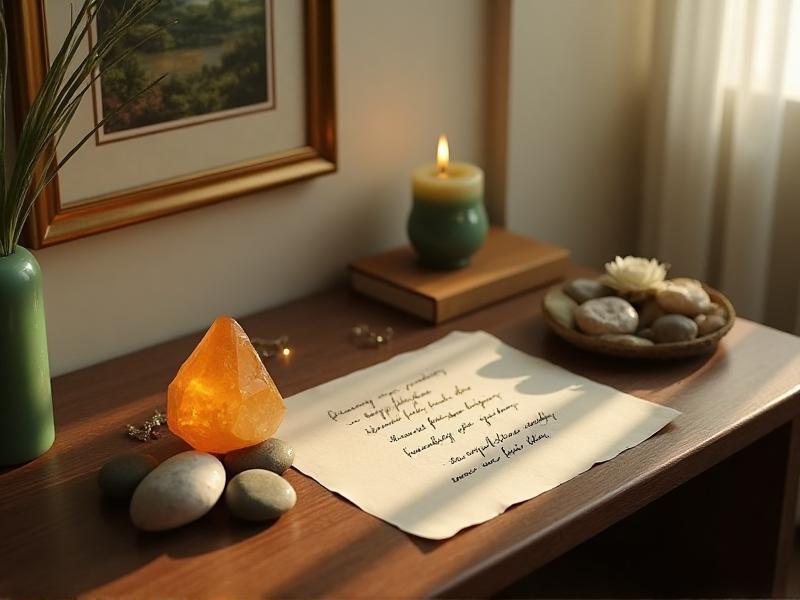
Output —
(247, 103)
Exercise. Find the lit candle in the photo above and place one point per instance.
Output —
(442, 155)
(448, 219)
(447, 180)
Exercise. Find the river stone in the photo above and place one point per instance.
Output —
(685, 281)
(561, 307)
(606, 315)
(181, 489)
(684, 297)
(119, 477)
(259, 495)
(674, 328)
(649, 312)
(709, 323)
(273, 455)
(582, 290)
(624, 339)
(646, 333)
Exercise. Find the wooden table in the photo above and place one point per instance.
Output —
(705, 507)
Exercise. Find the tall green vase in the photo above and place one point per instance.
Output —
(26, 404)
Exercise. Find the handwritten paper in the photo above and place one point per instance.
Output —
(436, 440)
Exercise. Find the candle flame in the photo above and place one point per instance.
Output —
(442, 154)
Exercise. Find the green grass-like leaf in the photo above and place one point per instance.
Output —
(51, 112)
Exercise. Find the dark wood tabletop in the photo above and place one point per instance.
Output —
(58, 537)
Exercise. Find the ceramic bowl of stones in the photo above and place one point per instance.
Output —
(673, 318)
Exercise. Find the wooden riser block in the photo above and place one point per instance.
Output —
(506, 264)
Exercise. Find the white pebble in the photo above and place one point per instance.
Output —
(180, 490)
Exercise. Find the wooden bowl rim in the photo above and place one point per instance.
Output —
(695, 347)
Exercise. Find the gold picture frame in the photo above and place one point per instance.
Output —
(51, 223)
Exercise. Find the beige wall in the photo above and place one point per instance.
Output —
(578, 73)
(406, 71)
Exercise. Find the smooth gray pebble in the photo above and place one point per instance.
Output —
(259, 495)
(674, 328)
(119, 476)
(273, 455)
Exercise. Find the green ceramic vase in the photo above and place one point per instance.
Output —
(446, 234)
(26, 405)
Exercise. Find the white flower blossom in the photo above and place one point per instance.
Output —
(634, 274)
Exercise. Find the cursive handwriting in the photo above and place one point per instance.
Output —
(541, 419)
(481, 403)
(372, 429)
(488, 417)
(443, 417)
(425, 377)
(335, 414)
(421, 417)
(396, 437)
(435, 403)
(435, 441)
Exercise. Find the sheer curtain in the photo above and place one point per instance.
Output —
(723, 72)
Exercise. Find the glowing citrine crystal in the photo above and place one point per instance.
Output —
(223, 398)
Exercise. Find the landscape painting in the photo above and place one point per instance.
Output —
(217, 57)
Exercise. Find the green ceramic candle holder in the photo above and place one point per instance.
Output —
(446, 234)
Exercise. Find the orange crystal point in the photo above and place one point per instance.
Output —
(223, 398)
